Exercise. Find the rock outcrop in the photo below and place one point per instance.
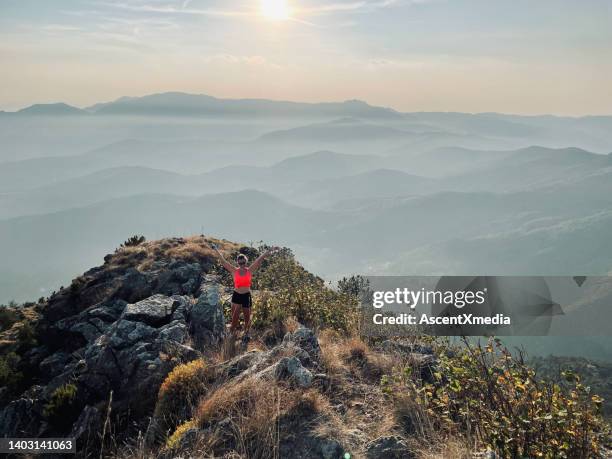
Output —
(114, 338)
(103, 347)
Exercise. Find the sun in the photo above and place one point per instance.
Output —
(275, 10)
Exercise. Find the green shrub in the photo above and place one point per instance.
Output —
(26, 336)
(62, 409)
(291, 291)
(8, 316)
(494, 398)
(10, 376)
(354, 285)
(313, 305)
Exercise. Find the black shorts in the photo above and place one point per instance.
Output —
(243, 299)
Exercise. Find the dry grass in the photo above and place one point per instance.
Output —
(442, 448)
(192, 249)
(229, 348)
(249, 411)
(290, 325)
(333, 426)
(340, 355)
(412, 417)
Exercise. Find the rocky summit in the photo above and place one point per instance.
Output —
(133, 360)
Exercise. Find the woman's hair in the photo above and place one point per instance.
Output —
(242, 256)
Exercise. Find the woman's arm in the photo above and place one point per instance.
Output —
(257, 263)
(226, 264)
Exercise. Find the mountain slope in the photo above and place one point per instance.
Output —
(39, 251)
(376, 183)
(58, 109)
(334, 132)
(67, 182)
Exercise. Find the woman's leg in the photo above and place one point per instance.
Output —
(247, 319)
(235, 317)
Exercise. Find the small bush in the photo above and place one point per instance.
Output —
(174, 439)
(180, 392)
(354, 285)
(302, 295)
(62, 409)
(10, 376)
(8, 316)
(134, 241)
(26, 336)
(495, 399)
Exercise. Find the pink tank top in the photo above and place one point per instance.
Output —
(243, 280)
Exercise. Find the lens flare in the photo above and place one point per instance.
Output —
(275, 10)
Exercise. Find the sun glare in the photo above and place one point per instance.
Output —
(275, 10)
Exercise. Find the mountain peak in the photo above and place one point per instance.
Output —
(52, 109)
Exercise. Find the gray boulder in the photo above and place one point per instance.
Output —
(388, 447)
(305, 339)
(155, 310)
(207, 322)
(86, 428)
(291, 368)
(21, 418)
(330, 449)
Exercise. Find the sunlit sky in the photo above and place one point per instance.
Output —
(513, 56)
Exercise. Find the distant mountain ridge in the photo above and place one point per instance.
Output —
(175, 103)
(183, 104)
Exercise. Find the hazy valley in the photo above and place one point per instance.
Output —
(351, 187)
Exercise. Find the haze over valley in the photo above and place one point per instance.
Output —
(354, 188)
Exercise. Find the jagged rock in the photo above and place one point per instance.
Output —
(330, 449)
(174, 331)
(305, 339)
(134, 286)
(188, 439)
(285, 361)
(37, 354)
(388, 447)
(178, 278)
(54, 364)
(21, 418)
(291, 368)
(131, 359)
(155, 310)
(87, 427)
(206, 316)
(125, 333)
(247, 363)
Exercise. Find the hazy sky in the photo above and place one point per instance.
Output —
(517, 56)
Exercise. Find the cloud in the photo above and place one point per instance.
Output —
(61, 28)
(355, 6)
(183, 9)
(234, 59)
